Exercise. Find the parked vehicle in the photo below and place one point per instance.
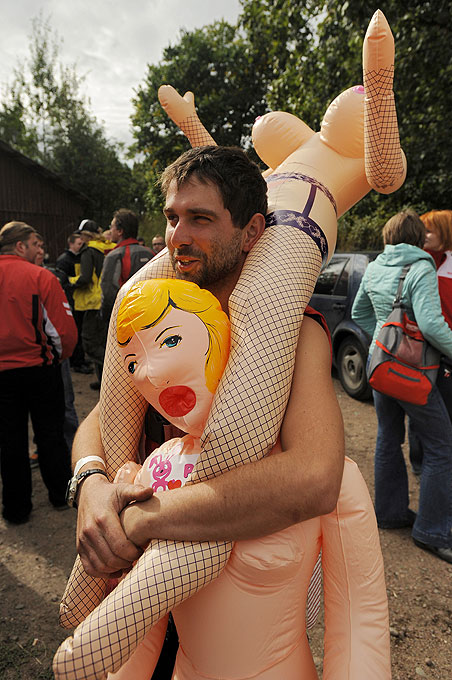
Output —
(333, 296)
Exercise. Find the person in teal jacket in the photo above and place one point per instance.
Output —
(404, 236)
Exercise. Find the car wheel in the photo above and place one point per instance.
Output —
(351, 367)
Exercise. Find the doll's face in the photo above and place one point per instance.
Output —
(167, 365)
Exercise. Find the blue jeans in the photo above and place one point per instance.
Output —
(444, 385)
(433, 426)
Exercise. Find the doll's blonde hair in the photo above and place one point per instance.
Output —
(148, 302)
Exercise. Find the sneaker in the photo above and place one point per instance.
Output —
(83, 368)
(34, 460)
(443, 553)
(15, 519)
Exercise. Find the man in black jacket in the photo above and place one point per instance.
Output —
(65, 265)
(124, 260)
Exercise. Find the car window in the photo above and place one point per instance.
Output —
(334, 278)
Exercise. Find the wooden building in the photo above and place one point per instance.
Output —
(32, 194)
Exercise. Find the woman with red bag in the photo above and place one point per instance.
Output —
(404, 236)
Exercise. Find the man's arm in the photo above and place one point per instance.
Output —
(101, 542)
(300, 482)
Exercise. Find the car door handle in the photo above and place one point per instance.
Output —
(338, 305)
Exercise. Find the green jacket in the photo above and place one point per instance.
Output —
(373, 301)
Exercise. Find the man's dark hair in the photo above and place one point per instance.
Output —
(73, 237)
(127, 221)
(238, 179)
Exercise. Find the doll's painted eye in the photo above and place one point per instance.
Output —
(171, 341)
(132, 367)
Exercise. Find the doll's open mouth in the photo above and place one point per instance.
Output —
(177, 401)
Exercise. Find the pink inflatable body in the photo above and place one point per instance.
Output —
(250, 621)
(266, 310)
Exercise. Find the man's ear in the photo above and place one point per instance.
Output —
(253, 231)
(19, 248)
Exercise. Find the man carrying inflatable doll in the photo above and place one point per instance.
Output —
(277, 382)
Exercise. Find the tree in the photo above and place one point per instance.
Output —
(44, 116)
(217, 65)
(313, 52)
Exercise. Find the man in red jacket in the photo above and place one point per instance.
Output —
(37, 332)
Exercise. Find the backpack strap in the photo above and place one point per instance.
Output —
(398, 297)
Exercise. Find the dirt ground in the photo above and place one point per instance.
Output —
(36, 559)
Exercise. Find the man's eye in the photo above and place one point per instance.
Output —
(132, 367)
(171, 341)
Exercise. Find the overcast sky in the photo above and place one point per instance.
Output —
(111, 42)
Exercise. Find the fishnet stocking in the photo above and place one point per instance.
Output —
(266, 311)
(384, 161)
(195, 132)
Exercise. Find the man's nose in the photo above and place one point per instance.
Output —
(180, 234)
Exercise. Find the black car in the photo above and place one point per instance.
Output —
(333, 296)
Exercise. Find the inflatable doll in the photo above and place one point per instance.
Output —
(257, 604)
(325, 174)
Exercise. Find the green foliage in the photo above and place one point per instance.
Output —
(216, 64)
(152, 224)
(44, 116)
(313, 52)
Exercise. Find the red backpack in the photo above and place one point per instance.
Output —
(403, 364)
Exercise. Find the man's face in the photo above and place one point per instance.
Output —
(31, 248)
(205, 246)
(75, 247)
(158, 244)
(116, 234)
(39, 259)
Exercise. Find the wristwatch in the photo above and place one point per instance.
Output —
(74, 483)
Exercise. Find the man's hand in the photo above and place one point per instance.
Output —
(101, 542)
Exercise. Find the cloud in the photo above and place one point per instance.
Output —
(109, 43)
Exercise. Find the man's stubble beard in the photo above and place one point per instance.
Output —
(224, 259)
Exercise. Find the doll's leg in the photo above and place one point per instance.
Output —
(356, 606)
(143, 661)
(122, 410)
(83, 592)
(156, 584)
(182, 111)
(384, 159)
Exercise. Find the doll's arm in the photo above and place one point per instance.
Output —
(182, 111)
(385, 161)
(356, 608)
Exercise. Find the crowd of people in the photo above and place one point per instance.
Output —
(57, 321)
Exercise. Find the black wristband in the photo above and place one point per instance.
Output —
(75, 482)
